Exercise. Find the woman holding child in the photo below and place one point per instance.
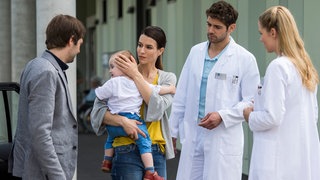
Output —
(127, 162)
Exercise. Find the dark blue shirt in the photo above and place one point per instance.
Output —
(62, 65)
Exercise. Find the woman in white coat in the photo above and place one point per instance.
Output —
(217, 81)
(284, 121)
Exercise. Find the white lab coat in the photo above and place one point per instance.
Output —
(228, 93)
(284, 124)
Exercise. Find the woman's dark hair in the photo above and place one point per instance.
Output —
(61, 28)
(157, 34)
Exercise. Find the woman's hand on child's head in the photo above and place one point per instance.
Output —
(127, 65)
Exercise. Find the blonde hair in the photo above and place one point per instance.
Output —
(126, 53)
(290, 43)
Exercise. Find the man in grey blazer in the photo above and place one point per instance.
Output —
(46, 140)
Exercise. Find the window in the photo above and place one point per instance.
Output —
(120, 9)
(104, 11)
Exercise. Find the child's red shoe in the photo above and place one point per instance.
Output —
(106, 166)
(152, 176)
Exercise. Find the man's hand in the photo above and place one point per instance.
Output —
(174, 142)
(211, 120)
(246, 112)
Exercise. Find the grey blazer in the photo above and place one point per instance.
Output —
(46, 139)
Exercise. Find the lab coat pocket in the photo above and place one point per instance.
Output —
(263, 160)
(228, 87)
(258, 98)
(230, 147)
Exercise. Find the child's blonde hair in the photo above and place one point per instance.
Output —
(126, 53)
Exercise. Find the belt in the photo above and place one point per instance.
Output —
(154, 147)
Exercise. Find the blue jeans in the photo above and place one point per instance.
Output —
(143, 143)
(127, 163)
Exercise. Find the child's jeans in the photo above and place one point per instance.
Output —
(144, 144)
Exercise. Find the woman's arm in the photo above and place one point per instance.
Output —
(130, 68)
(167, 90)
(100, 117)
(158, 104)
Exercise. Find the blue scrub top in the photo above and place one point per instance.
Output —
(207, 67)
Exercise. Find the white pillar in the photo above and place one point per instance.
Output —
(5, 43)
(46, 10)
(23, 32)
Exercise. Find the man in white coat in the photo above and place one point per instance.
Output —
(218, 80)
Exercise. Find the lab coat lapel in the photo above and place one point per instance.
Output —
(200, 62)
(226, 56)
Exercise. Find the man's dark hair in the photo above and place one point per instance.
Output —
(61, 28)
(224, 12)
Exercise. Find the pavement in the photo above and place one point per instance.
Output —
(91, 155)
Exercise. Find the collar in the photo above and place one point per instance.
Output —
(207, 57)
(62, 65)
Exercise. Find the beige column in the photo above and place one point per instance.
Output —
(46, 10)
(23, 41)
(5, 43)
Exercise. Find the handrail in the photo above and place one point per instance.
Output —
(4, 87)
(10, 86)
